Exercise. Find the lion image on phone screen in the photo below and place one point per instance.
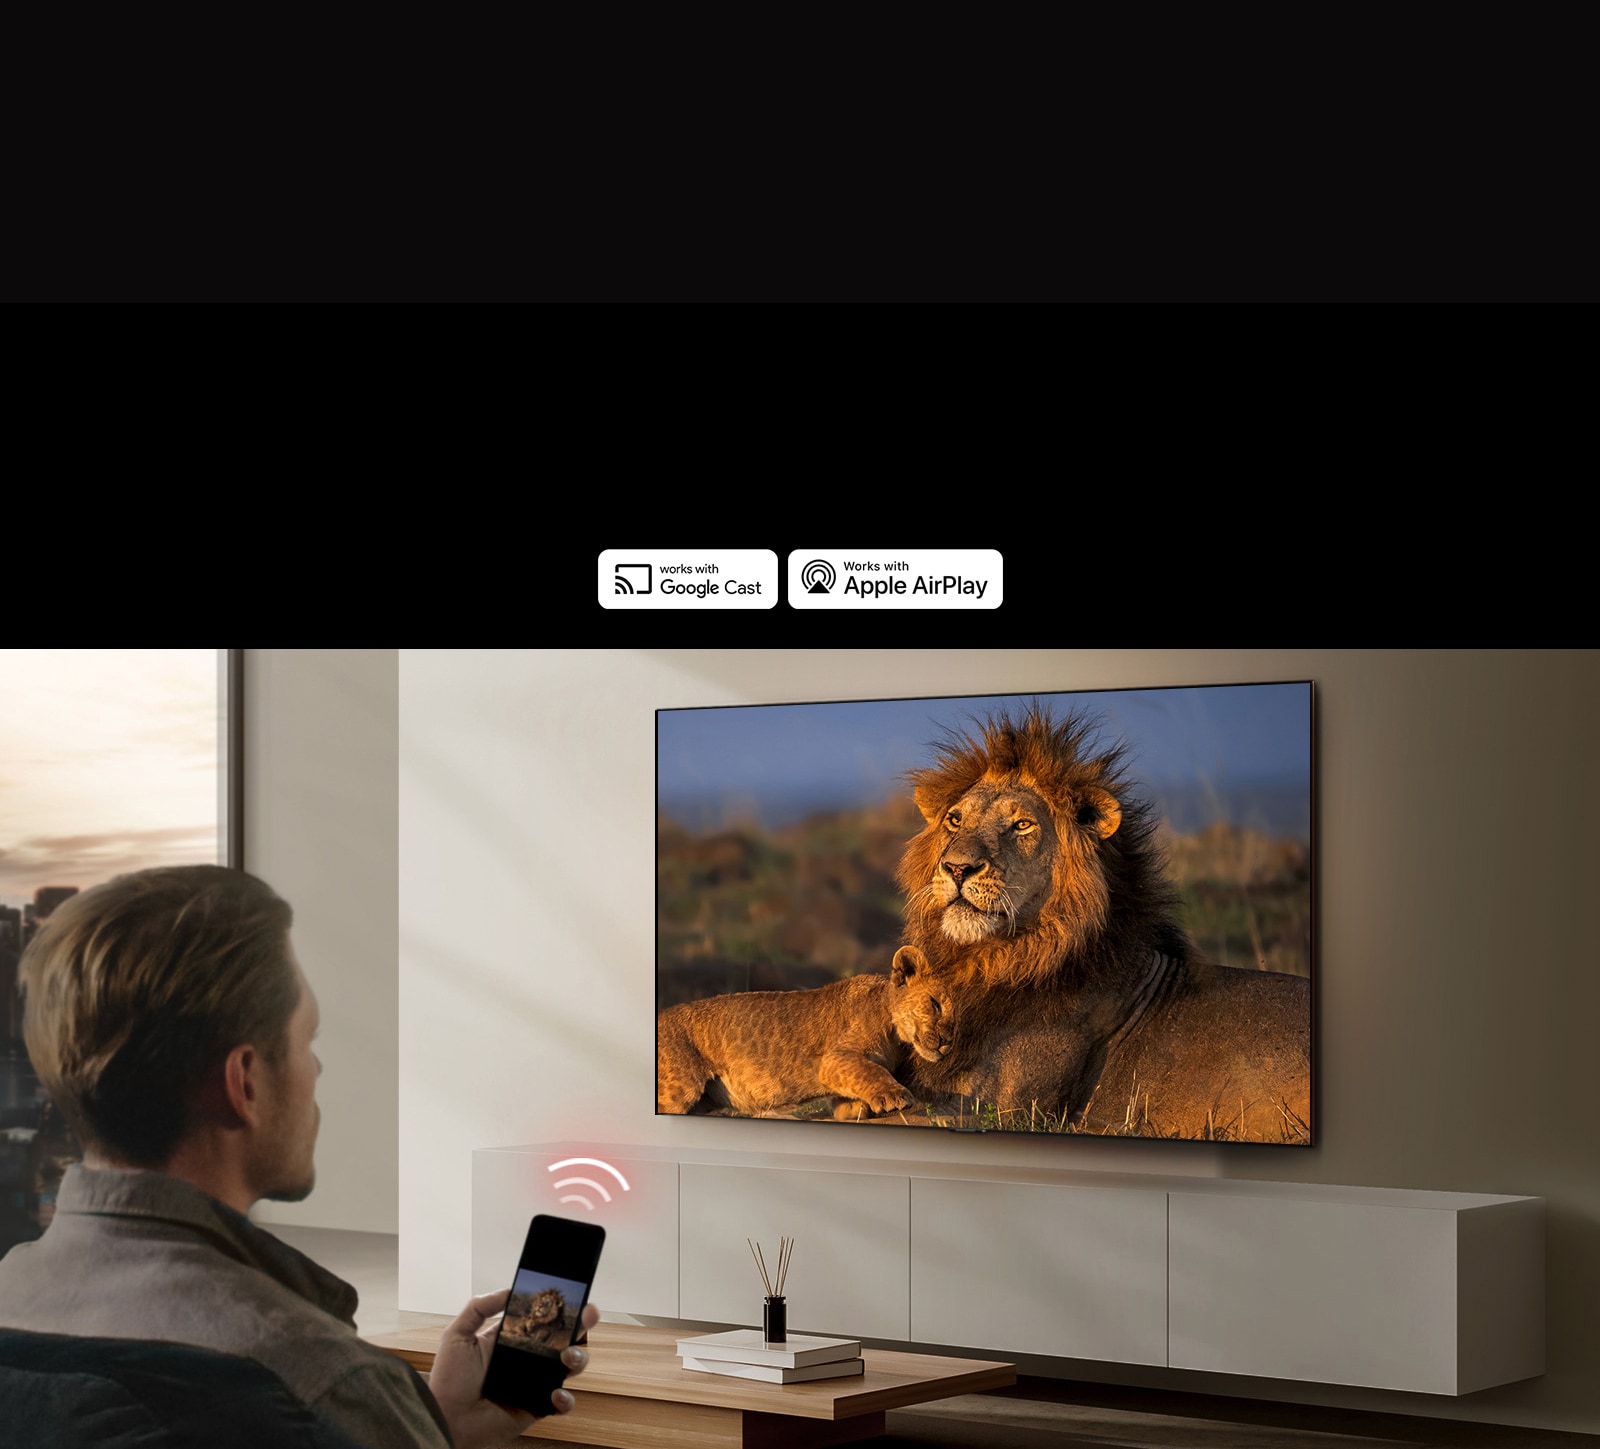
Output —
(541, 1321)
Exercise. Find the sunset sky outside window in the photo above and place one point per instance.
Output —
(109, 762)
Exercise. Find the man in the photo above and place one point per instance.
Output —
(168, 1018)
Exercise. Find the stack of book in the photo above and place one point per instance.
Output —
(744, 1353)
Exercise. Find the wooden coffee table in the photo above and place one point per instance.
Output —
(636, 1395)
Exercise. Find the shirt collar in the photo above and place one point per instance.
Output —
(115, 1192)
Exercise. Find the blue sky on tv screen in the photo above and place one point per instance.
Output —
(1236, 752)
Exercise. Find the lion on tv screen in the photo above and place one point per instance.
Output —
(1061, 913)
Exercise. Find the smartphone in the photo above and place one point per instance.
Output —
(543, 1313)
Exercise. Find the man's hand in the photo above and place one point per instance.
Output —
(462, 1361)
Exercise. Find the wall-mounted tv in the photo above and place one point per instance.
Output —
(1062, 913)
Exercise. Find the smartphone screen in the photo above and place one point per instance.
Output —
(543, 1313)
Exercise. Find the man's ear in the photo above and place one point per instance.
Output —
(242, 1084)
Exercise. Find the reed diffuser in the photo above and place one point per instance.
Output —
(774, 1312)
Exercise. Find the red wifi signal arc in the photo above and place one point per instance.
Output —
(589, 1182)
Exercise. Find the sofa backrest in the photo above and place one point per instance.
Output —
(60, 1392)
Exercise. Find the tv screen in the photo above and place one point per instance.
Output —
(1062, 913)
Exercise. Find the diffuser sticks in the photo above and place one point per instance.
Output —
(773, 1286)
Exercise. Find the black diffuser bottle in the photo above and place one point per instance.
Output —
(775, 1307)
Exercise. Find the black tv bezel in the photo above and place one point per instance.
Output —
(1313, 1138)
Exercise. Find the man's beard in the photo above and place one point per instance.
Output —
(293, 1192)
(290, 1184)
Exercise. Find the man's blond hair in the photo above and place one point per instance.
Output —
(138, 989)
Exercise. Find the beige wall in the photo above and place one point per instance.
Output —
(320, 827)
(1458, 989)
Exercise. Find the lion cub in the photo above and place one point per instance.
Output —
(768, 1048)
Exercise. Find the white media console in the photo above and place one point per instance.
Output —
(1431, 1292)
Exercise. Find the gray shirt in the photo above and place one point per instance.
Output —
(143, 1255)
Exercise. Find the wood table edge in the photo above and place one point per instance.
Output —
(821, 1403)
(421, 1359)
(975, 1376)
(983, 1375)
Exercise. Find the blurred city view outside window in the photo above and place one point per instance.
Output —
(111, 760)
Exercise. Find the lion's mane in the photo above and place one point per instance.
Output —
(1111, 899)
